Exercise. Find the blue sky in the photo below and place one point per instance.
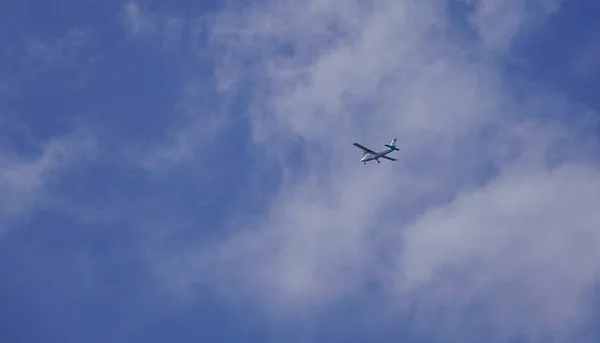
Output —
(183, 170)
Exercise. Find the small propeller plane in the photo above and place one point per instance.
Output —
(370, 155)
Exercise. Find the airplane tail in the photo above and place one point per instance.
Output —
(392, 145)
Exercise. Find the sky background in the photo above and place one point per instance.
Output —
(184, 171)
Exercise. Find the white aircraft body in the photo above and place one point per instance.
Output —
(370, 155)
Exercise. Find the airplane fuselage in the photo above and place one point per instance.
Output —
(370, 157)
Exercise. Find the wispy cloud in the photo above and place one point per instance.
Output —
(143, 23)
(68, 53)
(475, 201)
(588, 61)
(63, 51)
(197, 121)
(500, 22)
(200, 114)
(24, 179)
(183, 146)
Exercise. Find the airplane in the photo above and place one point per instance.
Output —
(370, 155)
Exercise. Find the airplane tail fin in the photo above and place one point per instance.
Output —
(392, 145)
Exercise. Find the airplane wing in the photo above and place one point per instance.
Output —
(389, 158)
(365, 149)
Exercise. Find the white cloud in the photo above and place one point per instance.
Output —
(525, 245)
(371, 74)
